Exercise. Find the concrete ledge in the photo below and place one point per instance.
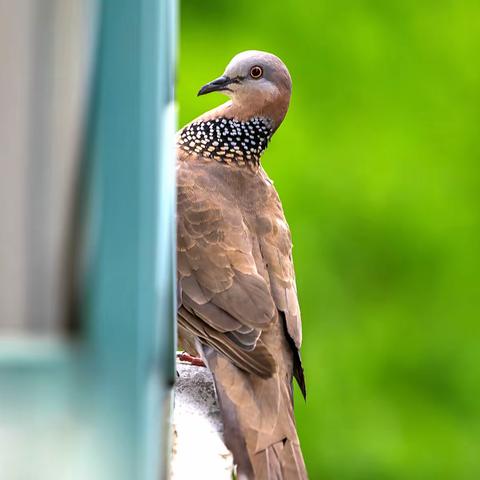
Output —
(198, 448)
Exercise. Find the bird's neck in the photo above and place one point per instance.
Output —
(227, 139)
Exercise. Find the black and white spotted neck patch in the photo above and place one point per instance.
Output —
(227, 140)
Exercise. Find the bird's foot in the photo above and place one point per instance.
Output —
(185, 357)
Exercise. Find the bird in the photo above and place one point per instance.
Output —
(237, 297)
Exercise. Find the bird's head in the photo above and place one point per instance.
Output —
(258, 83)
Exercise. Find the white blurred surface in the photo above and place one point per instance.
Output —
(198, 448)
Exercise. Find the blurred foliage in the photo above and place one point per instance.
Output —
(377, 165)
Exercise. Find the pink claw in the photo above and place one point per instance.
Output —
(185, 357)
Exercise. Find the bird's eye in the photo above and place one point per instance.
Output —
(256, 72)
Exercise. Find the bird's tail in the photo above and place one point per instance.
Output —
(282, 460)
(259, 424)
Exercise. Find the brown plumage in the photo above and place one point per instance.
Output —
(237, 297)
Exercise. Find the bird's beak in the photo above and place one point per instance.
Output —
(217, 85)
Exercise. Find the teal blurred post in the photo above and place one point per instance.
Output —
(130, 255)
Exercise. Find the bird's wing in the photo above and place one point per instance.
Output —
(223, 299)
(276, 249)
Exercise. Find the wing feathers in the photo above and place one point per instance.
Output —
(259, 361)
(234, 269)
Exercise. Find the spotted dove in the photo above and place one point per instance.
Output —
(238, 306)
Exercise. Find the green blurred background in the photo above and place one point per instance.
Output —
(377, 165)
